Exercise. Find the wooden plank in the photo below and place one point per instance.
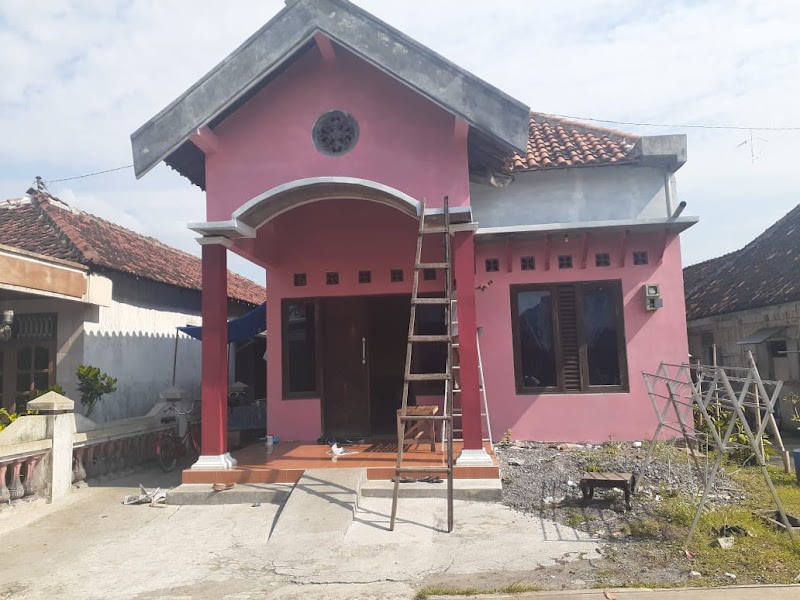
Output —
(427, 377)
(442, 469)
(430, 301)
(428, 338)
(607, 476)
(425, 409)
(425, 418)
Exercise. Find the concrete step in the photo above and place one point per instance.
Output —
(477, 490)
(242, 493)
(320, 508)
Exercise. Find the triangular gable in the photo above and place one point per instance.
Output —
(495, 114)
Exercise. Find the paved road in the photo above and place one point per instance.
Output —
(95, 547)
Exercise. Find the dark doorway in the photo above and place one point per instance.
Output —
(388, 331)
(344, 367)
(363, 357)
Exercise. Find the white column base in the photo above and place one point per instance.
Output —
(474, 458)
(221, 462)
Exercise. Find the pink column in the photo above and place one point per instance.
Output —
(464, 255)
(214, 377)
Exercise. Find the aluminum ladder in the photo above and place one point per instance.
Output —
(486, 426)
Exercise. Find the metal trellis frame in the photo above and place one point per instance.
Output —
(679, 392)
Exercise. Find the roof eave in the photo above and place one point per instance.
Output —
(454, 89)
(664, 151)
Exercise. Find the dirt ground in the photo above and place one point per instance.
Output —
(646, 546)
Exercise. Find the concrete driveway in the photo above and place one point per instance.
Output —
(93, 546)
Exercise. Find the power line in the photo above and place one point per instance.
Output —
(674, 126)
(592, 119)
(91, 174)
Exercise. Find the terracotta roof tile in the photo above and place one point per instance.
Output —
(558, 143)
(763, 273)
(47, 226)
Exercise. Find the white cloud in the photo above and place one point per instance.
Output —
(77, 77)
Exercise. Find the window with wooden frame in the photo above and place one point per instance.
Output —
(569, 337)
(299, 321)
(35, 372)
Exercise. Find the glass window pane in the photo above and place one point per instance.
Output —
(24, 357)
(301, 348)
(24, 382)
(41, 358)
(600, 332)
(41, 381)
(537, 342)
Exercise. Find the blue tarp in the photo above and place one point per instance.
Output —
(239, 329)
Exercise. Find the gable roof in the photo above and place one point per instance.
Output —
(763, 273)
(43, 224)
(291, 32)
(558, 143)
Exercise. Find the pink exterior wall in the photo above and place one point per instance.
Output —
(404, 141)
(651, 337)
(414, 146)
(344, 236)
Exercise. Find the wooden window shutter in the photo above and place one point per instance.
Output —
(570, 347)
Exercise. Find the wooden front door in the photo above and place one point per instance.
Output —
(345, 370)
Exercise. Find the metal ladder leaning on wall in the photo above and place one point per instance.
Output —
(458, 413)
(407, 415)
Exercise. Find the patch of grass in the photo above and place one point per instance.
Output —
(652, 584)
(677, 510)
(513, 588)
(644, 528)
(574, 518)
(770, 556)
(612, 449)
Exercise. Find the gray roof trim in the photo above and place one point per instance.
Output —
(762, 335)
(451, 87)
(272, 203)
(674, 225)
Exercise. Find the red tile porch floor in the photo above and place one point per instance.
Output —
(287, 462)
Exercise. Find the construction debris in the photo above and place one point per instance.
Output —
(156, 498)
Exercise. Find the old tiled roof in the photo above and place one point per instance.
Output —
(46, 226)
(763, 273)
(558, 143)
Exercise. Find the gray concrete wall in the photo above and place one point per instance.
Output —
(573, 195)
(133, 340)
(730, 328)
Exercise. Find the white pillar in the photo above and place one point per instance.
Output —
(61, 430)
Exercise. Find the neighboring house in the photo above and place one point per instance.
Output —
(318, 142)
(750, 300)
(86, 291)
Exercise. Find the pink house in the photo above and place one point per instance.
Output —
(319, 141)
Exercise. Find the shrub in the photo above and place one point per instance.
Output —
(93, 385)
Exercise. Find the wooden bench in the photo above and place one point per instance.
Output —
(420, 429)
(623, 481)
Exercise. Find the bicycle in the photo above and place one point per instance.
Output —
(171, 446)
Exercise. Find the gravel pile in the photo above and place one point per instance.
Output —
(544, 478)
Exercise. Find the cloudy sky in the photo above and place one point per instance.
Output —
(77, 77)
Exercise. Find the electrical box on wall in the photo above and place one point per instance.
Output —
(652, 296)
